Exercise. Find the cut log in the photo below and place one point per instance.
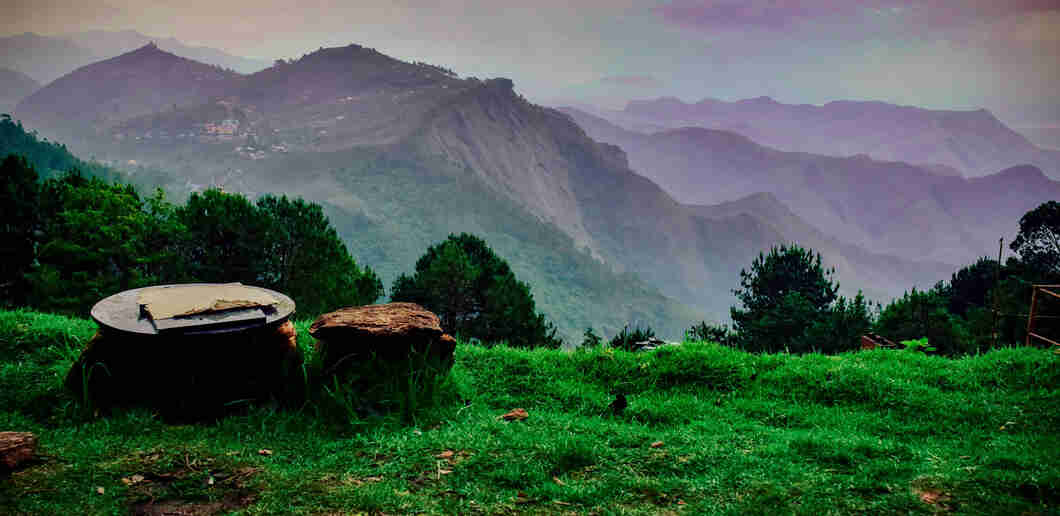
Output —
(16, 448)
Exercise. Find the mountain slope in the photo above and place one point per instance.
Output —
(886, 207)
(974, 142)
(14, 86)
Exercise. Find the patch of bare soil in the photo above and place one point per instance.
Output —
(230, 502)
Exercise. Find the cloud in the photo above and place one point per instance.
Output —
(711, 15)
(634, 81)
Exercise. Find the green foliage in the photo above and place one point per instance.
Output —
(716, 333)
(920, 344)
(590, 339)
(304, 257)
(225, 236)
(475, 294)
(97, 240)
(1038, 241)
(787, 299)
(923, 314)
(970, 286)
(841, 328)
(626, 339)
(279, 243)
(19, 221)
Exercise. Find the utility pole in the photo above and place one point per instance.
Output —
(997, 284)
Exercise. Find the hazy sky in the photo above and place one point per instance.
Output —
(935, 53)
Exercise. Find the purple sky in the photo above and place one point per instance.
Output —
(935, 53)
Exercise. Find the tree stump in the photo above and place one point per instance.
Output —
(16, 448)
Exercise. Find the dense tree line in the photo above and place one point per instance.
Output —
(70, 240)
(789, 303)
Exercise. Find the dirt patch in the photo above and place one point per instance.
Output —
(229, 502)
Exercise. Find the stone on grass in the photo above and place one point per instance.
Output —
(16, 448)
(352, 337)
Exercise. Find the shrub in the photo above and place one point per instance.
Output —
(716, 333)
(923, 314)
(626, 339)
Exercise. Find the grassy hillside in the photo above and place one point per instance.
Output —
(708, 430)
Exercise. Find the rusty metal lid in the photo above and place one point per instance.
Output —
(192, 308)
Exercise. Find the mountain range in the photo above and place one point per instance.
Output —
(885, 207)
(973, 142)
(402, 154)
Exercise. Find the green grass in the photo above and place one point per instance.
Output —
(874, 432)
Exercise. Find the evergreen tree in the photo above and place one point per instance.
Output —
(19, 204)
(475, 294)
(305, 258)
(783, 294)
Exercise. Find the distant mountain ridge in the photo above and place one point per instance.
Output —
(146, 80)
(973, 141)
(886, 207)
(46, 58)
(14, 86)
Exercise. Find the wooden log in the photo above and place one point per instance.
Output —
(16, 448)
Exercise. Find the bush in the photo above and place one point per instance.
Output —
(716, 333)
(626, 339)
(923, 314)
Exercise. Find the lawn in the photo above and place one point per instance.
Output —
(707, 430)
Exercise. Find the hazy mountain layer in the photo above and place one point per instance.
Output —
(106, 44)
(886, 207)
(14, 86)
(974, 142)
(46, 58)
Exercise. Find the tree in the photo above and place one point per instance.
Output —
(784, 293)
(96, 242)
(305, 258)
(475, 294)
(841, 329)
(1038, 241)
(19, 204)
(920, 314)
(225, 238)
